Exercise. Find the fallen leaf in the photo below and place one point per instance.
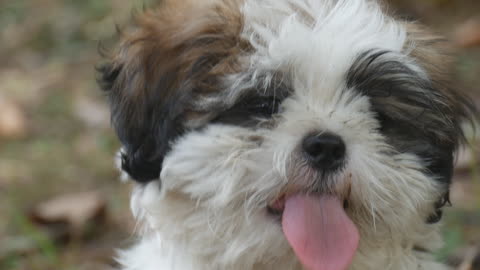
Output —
(13, 123)
(76, 211)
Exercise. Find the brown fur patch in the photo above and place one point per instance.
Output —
(175, 52)
(190, 40)
(433, 52)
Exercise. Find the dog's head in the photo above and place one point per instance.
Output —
(234, 114)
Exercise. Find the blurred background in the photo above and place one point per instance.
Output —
(61, 204)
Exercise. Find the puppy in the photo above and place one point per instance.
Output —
(283, 134)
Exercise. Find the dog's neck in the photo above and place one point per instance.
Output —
(180, 236)
(158, 254)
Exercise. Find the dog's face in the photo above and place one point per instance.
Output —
(255, 126)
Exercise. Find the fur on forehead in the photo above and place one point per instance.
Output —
(185, 58)
(173, 54)
(324, 47)
(315, 42)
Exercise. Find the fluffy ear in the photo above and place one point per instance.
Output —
(146, 113)
(173, 53)
(433, 54)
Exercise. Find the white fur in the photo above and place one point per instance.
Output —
(209, 212)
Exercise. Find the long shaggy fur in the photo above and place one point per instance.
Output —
(211, 101)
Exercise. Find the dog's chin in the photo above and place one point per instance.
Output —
(276, 208)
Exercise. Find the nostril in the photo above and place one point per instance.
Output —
(325, 150)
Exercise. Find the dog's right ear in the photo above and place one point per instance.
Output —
(173, 53)
(142, 80)
(144, 113)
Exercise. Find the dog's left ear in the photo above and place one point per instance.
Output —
(174, 54)
(433, 54)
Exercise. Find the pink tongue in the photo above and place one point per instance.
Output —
(319, 231)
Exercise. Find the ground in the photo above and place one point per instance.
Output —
(57, 147)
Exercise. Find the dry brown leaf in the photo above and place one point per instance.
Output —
(75, 210)
(13, 123)
(468, 34)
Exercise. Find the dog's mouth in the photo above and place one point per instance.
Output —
(276, 208)
(317, 228)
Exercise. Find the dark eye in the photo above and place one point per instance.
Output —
(249, 110)
(264, 106)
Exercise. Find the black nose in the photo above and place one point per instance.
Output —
(325, 150)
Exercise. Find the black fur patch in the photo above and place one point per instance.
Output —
(145, 123)
(255, 105)
(162, 63)
(415, 117)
